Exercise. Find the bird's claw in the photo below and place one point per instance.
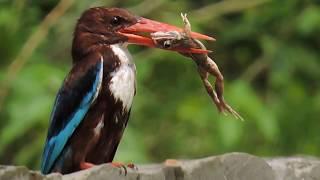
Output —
(132, 166)
(120, 166)
(124, 167)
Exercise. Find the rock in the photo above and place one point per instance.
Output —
(295, 168)
(22, 173)
(232, 166)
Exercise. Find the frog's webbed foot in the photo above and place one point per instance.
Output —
(228, 109)
(187, 25)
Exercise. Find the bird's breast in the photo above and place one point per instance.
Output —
(123, 78)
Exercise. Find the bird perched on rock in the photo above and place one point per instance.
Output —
(93, 105)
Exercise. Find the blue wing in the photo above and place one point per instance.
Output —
(73, 101)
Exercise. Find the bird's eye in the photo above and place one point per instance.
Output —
(115, 21)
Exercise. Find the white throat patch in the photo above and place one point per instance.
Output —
(122, 83)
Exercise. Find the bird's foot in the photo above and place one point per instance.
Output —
(132, 166)
(124, 166)
(86, 165)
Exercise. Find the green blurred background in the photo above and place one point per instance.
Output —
(268, 51)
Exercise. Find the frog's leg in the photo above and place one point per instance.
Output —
(204, 77)
(211, 67)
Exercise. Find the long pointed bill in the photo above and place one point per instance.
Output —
(149, 26)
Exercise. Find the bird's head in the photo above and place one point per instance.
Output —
(115, 25)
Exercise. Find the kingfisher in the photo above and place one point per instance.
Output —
(93, 105)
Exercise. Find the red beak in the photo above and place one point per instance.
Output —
(149, 26)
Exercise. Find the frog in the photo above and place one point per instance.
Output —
(205, 65)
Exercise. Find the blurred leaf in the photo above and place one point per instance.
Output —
(308, 20)
(30, 103)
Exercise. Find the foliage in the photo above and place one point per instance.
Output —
(269, 55)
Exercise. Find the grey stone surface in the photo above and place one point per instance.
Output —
(22, 173)
(232, 166)
(295, 168)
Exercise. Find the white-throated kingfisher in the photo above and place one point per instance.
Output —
(93, 105)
